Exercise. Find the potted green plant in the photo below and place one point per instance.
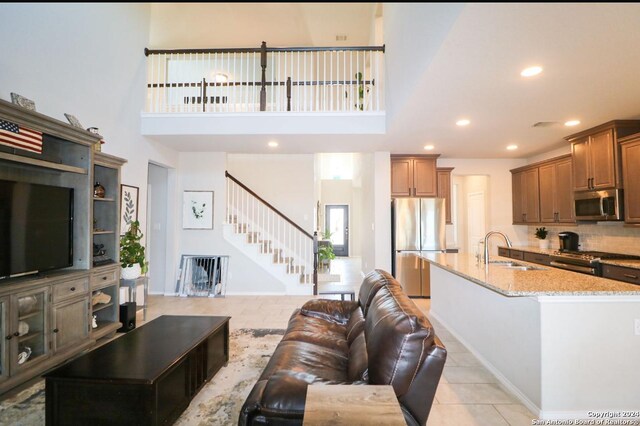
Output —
(325, 256)
(541, 235)
(132, 256)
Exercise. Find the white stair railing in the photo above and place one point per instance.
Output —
(275, 234)
(295, 79)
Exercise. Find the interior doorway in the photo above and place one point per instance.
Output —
(157, 230)
(475, 220)
(337, 223)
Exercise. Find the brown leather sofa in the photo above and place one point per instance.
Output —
(380, 339)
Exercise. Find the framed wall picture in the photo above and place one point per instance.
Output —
(128, 206)
(197, 210)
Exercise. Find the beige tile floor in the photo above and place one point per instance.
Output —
(468, 394)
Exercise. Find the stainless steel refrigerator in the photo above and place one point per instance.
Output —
(418, 226)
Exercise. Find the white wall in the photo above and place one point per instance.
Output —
(86, 60)
(367, 218)
(205, 171)
(157, 230)
(551, 154)
(382, 209)
(285, 181)
(402, 21)
(499, 209)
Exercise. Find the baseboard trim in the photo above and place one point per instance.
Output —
(486, 364)
(236, 293)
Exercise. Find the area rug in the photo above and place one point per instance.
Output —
(218, 402)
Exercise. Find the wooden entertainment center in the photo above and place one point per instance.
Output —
(56, 307)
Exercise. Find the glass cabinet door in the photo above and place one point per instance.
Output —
(30, 328)
(5, 339)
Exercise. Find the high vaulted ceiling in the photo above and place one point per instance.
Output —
(445, 62)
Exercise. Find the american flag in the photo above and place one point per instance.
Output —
(20, 137)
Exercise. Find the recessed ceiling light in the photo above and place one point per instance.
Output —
(463, 122)
(512, 147)
(428, 147)
(220, 77)
(531, 71)
(572, 123)
(273, 144)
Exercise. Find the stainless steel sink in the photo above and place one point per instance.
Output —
(526, 268)
(515, 265)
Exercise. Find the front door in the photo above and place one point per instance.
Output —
(337, 223)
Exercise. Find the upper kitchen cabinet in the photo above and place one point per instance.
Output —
(414, 176)
(630, 147)
(526, 198)
(596, 155)
(444, 189)
(543, 193)
(556, 191)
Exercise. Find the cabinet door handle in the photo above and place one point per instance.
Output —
(55, 330)
(72, 289)
(523, 217)
(634, 277)
(16, 334)
(9, 337)
(104, 278)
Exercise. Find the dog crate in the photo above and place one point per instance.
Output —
(202, 276)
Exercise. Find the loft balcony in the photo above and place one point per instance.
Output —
(265, 90)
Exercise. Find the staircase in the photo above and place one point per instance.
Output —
(272, 240)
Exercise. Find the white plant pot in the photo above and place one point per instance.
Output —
(131, 272)
(544, 244)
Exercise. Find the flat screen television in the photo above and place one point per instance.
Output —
(36, 228)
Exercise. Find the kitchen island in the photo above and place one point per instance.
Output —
(563, 342)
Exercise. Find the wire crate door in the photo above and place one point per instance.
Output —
(203, 276)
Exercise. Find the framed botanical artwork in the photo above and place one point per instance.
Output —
(197, 210)
(128, 206)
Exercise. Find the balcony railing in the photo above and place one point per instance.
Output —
(297, 79)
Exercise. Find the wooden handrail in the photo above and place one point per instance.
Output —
(148, 51)
(282, 215)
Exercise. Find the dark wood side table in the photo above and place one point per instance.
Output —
(146, 377)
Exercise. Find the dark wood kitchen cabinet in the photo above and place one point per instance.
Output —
(630, 147)
(556, 191)
(543, 193)
(596, 155)
(444, 189)
(525, 192)
(414, 176)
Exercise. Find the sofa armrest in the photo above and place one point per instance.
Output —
(416, 403)
(336, 311)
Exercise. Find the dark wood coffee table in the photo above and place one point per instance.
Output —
(146, 377)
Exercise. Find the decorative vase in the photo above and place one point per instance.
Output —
(98, 190)
(544, 244)
(131, 272)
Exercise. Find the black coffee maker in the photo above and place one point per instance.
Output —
(568, 241)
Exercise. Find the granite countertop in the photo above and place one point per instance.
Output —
(629, 263)
(547, 281)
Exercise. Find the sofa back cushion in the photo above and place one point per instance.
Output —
(355, 325)
(398, 338)
(371, 284)
(358, 360)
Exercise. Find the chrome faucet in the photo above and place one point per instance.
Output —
(486, 243)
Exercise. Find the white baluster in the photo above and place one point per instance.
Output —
(351, 75)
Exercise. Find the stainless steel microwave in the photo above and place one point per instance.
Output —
(599, 205)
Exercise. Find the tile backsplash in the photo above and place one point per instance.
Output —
(605, 236)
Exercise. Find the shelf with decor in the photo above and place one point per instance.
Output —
(46, 318)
